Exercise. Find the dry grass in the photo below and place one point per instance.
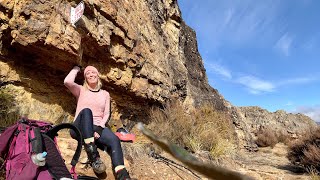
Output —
(194, 143)
(222, 147)
(283, 137)
(202, 129)
(214, 131)
(305, 152)
(172, 123)
(266, 137)
(314, 174)
(8, 111)
(312, 155)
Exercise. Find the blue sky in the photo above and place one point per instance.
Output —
(260, 53)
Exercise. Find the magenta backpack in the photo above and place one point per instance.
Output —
(29, 137)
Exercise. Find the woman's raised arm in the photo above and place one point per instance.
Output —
(69, 81)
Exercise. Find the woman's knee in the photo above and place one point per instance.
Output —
(109, 138)
(85, 117)
(86, 111)
(115, 139)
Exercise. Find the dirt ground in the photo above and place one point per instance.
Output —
(266, 164)
(270, 164)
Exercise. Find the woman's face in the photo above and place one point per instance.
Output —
(92, 78)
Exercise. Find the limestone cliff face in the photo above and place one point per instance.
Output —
(144, 51)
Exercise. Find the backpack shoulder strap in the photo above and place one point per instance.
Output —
(54, 161)
(54, 132)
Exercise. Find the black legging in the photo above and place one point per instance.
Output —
(108, 139)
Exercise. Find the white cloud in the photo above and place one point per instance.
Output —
(302, 80)
(256, 85)
(284, 44)
(218, 69)
(228, 16)
(312, 111)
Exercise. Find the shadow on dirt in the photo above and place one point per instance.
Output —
(292, 168)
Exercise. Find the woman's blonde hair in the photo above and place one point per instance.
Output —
(97, 88)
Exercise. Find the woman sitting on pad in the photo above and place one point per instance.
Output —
(92, 113)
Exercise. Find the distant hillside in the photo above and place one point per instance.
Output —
(257, 118)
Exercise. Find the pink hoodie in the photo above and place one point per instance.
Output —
(98, 102)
